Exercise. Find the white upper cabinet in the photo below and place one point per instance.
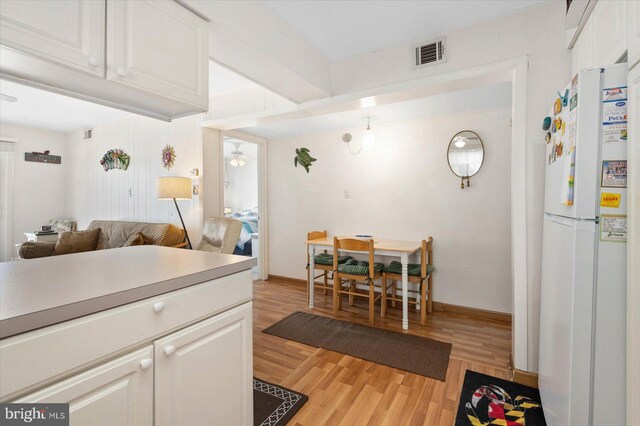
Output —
(633, 19)
(608, 31)
(158, 46)
(148, 57)
(70, 33)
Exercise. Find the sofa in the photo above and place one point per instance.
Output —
(106, 234)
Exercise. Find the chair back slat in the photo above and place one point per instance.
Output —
(426, 254)
(353, 244)
(314, 235)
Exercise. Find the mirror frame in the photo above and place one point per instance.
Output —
(449, 146)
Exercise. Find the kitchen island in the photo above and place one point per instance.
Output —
(130, 336)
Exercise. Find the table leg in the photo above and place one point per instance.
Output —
(404, 259)
(312, 267)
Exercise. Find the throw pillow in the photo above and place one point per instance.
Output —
(134, 240)
(77, 241)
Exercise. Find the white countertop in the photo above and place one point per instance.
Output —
(35, 293)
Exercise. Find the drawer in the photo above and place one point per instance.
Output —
(38, 357)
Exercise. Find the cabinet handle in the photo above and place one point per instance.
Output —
(121, 72)
(93, 61)
(169, 350)
(146, 363)
(158, 307)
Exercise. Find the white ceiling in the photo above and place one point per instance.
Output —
(484, 97)
(47, 110)
(250, 150)
(222, 79)
(346, 27)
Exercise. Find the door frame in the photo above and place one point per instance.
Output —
(263, 231)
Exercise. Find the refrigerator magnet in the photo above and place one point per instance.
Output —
(610, 199)
(557, 106)
(613, 227)
(547, 137)
(614, 174)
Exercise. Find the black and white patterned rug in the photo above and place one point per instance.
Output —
(274, 405)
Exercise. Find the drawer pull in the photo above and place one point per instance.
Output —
(158, 307)
(146, 363)
(169, 350)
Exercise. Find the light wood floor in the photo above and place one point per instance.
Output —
(344, 390)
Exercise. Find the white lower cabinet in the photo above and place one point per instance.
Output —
(199, 375)
(119, 392)
(203, 373)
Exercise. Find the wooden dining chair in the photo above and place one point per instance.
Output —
(322, 262)
(421, 273)
(354, 271)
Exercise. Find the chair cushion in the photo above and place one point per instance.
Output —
(414, 269)
(327, 259)
(77, 242)
(358, 267)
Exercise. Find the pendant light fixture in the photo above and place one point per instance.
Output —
(368, 138)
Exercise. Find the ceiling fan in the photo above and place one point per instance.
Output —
(237, 158)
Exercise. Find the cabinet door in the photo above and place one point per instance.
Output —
(204, 373)
(119, 392)
(67, 32)
(633, 33)
(160, 47)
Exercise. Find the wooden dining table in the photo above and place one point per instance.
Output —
(382, 247)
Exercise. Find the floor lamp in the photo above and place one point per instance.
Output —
(175, 188)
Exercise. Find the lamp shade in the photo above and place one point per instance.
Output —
(173, 187)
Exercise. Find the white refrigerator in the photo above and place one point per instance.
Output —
(582, 360)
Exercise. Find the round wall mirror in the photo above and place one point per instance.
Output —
(465, 155)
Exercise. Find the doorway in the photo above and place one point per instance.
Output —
(244, 194)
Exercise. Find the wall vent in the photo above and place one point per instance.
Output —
(88, 134)
(430, 53)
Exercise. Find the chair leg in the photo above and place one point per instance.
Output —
(326, 282)
(430, 302)
(394, 285)
(336, 288)
(309, 275)
(372, 299)
(352, 289)
(383, 303)
(423, 301)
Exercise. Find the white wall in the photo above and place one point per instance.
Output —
(96, 194)
(537, 33)
(39, 189)
(402, 190)
(242, 192)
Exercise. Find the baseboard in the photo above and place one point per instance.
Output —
(437, 306)
(472, 312)
(525, 378)
(288, 280)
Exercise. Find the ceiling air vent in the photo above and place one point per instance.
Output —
(430, 53)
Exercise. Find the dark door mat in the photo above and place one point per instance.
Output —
(274, 405)
(488, 400)
(415, 354)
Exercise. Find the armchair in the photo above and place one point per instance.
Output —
(220, 235)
